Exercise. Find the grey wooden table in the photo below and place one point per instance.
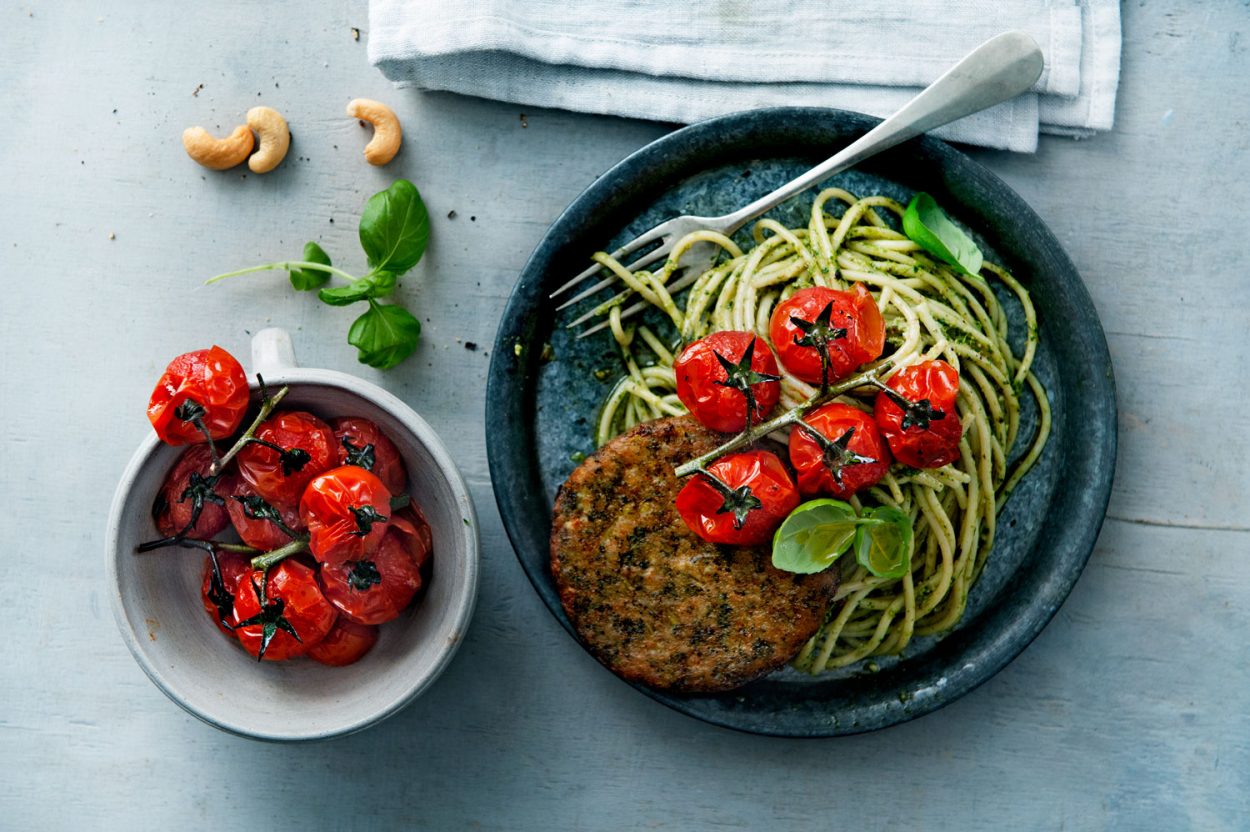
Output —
(1129, 712)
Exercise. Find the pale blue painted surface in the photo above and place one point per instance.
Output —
(1130, 711)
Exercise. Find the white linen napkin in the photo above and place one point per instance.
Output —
(700, 58)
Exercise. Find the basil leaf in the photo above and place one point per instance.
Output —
(883, 544)
(385, 335)
(395, 228)
(814, 536)
(373, 286)
(927, 224)
(306, 279)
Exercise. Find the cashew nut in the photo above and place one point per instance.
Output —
(275, 138)
(218, 154)
(387, 133)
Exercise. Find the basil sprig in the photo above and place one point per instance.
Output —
(819, 532)
(394, 232)
(883, 542)
(927, 225)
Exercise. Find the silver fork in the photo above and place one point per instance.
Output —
(997, 70)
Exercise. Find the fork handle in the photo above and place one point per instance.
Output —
(997, 70)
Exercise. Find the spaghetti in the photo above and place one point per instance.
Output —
(931, 311)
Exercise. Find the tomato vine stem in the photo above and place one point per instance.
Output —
(790, 417)
(269, 559)
(266, 407)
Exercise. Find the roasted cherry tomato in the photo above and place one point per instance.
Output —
(259, 522)
(186, 486)
(750, 496)
(308, 446)
(219, 601)
(346, 643)
(418, 540)
(205, 387)
(918, 416)
(718, 376)
(848, 455)
(849, 323)
(377, 588)
(292, 619)
(361, 442)
(346, 511)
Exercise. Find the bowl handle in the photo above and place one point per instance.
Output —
(272, 351)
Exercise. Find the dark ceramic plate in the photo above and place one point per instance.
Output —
(542, 406)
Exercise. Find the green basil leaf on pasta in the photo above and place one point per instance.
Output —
(308, 279)
(385, 335)
(395, 228)
(928, 226)
(815, 535)
(883, 542)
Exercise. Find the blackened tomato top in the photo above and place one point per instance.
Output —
(280, 478)
(705, 386)
(926, 434)
(208, 386)
(854, 328)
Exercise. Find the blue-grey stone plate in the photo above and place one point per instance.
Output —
(543, 397)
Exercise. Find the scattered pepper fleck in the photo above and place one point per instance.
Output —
(355, 33)
(471, 346)
(451, 215)
(195, 93)
(524, 122)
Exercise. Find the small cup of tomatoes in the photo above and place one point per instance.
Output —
(372, 533)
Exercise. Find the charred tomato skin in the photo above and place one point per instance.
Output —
(807, 456)
(259, 533)
(304, 606)
(700, 375)
(213, 380)
(700, 503)
(376, 589)
(855, 311)
(922, 447)
(173, 511)
(388, 465)
(332, 508)
(262, 467)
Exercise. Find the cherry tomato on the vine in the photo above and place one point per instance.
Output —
(849, 455)
(926, 433)
(346, 510)
(254, 517)
(233, 567)
(719, 375)
(204, 387)
(187, 485)
(752, 494)
(346, 643)
(361, 442)
(292, 601)
(309, 450)
(849, 323)
(376, 589)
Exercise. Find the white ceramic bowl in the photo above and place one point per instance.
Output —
(156, 596)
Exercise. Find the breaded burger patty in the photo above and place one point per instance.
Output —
(653, 601)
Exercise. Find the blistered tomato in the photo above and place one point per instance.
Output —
(721, 375)
(750, 495)
(203, 388)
